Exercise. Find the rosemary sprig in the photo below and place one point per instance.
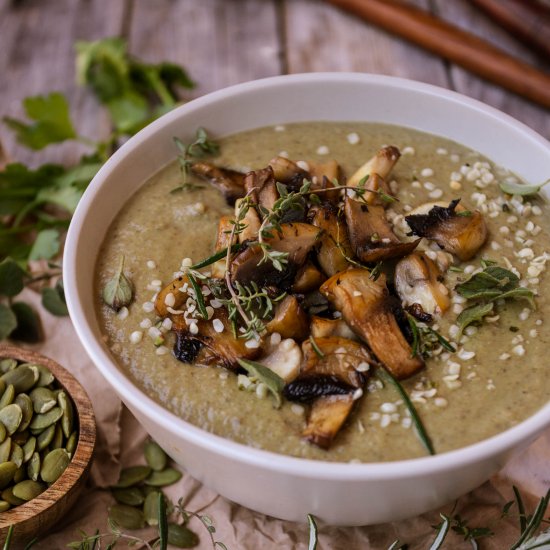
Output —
(199, 297)
(443, 530)
(215, 257)
(312, 532)
(387, 378)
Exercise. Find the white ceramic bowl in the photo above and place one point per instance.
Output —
(284, 487)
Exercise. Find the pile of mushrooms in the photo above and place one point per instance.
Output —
(338, 318)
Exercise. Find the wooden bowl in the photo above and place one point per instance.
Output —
(50, 507)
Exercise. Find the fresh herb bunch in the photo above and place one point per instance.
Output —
(36, 205)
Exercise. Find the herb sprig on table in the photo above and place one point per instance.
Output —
(36, 205)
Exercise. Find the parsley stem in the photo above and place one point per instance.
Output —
(386, 377)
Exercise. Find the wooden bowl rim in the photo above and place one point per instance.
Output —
(86, 438)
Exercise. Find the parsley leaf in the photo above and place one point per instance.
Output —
(46, 245)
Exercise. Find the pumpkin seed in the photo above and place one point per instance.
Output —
(155, 456)
(72, 443)
(43, 400)
(132, 476)
(151, 508)
(28, 448)
(3, 432)
(41, 421)
(8, 496)
(22, 378)
(181, 537)
(67, 420)
(2, 387)
(126, 516)
(20, 474)
(11, 417)
(132, 496)
(28, 489)
(54, 465)
(45, 377)
(16, 454)
(8, 396)
(57, 441)
(7, 364)
(20, 437)
(7, 471)
(33, 467)
(4, 506)
(24, 401)
(168, 476)
(45, 437)
(5, 450)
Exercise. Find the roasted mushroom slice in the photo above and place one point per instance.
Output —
(284, 359)
(288, 172)
(370, 234)
(229, 182)
(251, 223)
(417, 282)
(334, 245)
(290, 320)
(378, 191)
(172, 298)
(222, 241)
(307, 279)
(261, 187)
(366, 307)
(294, 239)
(320, 327)
(322, 177)
(382, 164)
(457, 230)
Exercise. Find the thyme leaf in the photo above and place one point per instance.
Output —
(520, 188)
(426, 339)
(119, 290)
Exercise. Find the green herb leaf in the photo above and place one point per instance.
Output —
(521, 188)
(52, 121)
(53, 300)
(312, 532)
(163, 522)
(473, 314)
(129, 111)
(315, 347)
(273, 381)
(443, 529)
(8, 321)
(28, 327)
(489, 283)
(46, 245)
(198, 296)
(119, 291)
(11, 278)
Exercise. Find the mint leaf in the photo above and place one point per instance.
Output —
(473, 314)
(28, 328)
(8, 321)
(52, 122)
(489, 283)
(53, 300)
(521, 188)
(46, 245)
(11, 278)
(273, 381)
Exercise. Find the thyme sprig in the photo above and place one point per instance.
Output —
(426, 339)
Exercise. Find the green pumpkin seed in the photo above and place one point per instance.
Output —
(24, 401)
(2, 387)
(4, 506)
(3, 432)
(127, 517)
(8, 496)
(72, 442)
(5, 450)
(8, 396)
(45, 377)
(57, 441)
(20, 474)
(22, 378)
(7, 364)
(181, 537)
(28, 448)
(20, 437)
(41, 421)
(7, 471)
(43, 400)
(151, 508)
(11, 417)
(54, 465)
(16, 454)
(166, 477)
(132, 496)
(67, 420)
(132, 476)
(155, 456)
(28, 489)
(33, 467)
(45, 437)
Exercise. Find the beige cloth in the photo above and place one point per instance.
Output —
(121, 438)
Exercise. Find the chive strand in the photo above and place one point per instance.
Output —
(199, 297)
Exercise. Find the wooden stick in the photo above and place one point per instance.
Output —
(450, 42)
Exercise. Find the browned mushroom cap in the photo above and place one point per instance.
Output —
(296, 239)
(322, 176)
(222, 241)
(455, 229)
(417, 282)
(307, 279)
(376, 185)
(334, 245)
(171, 294)
(290, 320)
(320, 327)
(229, 182)
(366, 307)
(209, 346)
(261, 187)
(288, 172)
(370, 234)
(382, 164)
(251, 223)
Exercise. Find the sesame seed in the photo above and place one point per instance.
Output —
(275, 338)
(298, 410)
(454, 368)
(536, 210)
(210, 311)
(193, 328)
(357, 394)
(440, 402)
(406, 423)
(466, 355)
(408, 150)
(455, 185)
(123, 313)
(170, 300)
(518, 350)
(162, 350)
(416, 184)
(353, 138)
(146, 323)
(303, 165)
(148, 307)
(217, 324)
(524, 315)
(167, 324)
(224, 375)
(323, 150)
(280, 128)
(363, 367)
(151, 264)
(428, 185)
(388, 408)
(441, 151)
(136, 336)
(533, 333)
(261, 391)
(252, 344)
(356, 293)
(283, 154)
(504, 230)
(436, 194)
(385, 421)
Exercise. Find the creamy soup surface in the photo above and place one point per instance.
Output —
(497, 378)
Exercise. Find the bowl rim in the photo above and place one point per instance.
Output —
(303, 467)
